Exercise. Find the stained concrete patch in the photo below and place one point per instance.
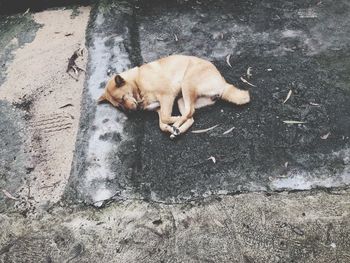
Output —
(13, 157)
(289, 46)
(15, 30)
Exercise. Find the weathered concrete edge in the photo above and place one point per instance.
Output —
(88, 109)
(87, 114)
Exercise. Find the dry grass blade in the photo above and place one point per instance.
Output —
(294, 122)
(7, 194)
(325, 137)
(229, 130)
(288, 96)
(246, 81)
(212, 158)
(205, 130)
(176, 38)
(228, 60)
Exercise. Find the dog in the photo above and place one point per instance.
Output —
(192, 81)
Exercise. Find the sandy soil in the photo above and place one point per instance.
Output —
(38, 83)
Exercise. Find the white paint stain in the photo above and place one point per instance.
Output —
(98, 151)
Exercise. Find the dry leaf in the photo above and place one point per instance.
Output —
(324, 137)
(288, 96)
(205, 130)
(212, 158)
(294, 122)
(246, 81)
(249, 72)
(286, 164)
(8, 194)
(228, 60)
(314, 104)
(26, 12)
(229, 130)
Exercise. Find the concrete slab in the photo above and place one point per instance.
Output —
(177, 205)
(289, 46)
(296, 227)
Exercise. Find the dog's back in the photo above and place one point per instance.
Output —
(171, 72)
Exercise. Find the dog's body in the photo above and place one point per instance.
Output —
(194, 82)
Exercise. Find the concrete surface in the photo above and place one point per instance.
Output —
(287, 227)
(278, 192)
(128, 156)
(44, 102)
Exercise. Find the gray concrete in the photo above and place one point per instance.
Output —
(277, 193)
(295, 227)
(13, 166)
(298, 47)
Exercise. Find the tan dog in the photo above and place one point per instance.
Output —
(194, 82)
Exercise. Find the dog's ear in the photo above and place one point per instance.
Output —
(102, 98)
(119, 81)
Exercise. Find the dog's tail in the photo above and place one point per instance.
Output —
(235, 95)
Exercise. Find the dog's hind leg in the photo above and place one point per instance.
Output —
(166, 107)
(200, 102)
(235, 95)
(189, 99)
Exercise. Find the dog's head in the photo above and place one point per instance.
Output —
(120, 94)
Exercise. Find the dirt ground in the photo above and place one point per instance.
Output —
(37, 82)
